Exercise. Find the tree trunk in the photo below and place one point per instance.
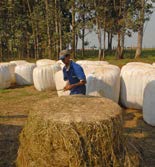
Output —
(104, 45)
(76, 43)
(1, 51)
(109, 41)
(118, 50)
(48, 29)
(36, 47)
(122, 46)
(73, 30)
(99, 39)
(33, 29)
(60, 33)
(56, 29)
(140, 31)
(83, 37)
(139, 43)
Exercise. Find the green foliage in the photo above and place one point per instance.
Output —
(32, 28)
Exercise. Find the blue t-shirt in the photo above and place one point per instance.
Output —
(74, 74)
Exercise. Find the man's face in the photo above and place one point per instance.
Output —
(66, 60)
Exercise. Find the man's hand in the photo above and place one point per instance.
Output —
(68, 87)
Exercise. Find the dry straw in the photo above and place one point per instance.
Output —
(75, 131)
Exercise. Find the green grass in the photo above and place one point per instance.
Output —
(148, 56)
(5, 90)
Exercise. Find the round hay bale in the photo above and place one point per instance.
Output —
(60, 134)
(43, 77)
(45, 62)
(104, 82)
(5, 77)
(11, 67)
(60, 84)
(24, 74)
(133, 82)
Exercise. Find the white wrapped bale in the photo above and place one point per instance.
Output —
(45, 62)
(60, 63)
(88, 62)
(133, 82)
(153, 64)
(5, 77)
(43, 77)
(60, 84)
(56, 67)
(24, 74)
(11, 67)
(104, 82)
(91, 68)
(149, 101)
(19, 62)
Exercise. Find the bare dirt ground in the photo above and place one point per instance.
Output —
(16, 103)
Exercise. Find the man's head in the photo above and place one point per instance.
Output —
(64, 55)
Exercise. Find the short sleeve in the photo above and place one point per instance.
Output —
(79, 72)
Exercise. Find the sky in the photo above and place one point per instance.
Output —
(148, 39)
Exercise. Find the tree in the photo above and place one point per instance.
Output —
(143, 11)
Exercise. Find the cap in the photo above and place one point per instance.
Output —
(63, 54)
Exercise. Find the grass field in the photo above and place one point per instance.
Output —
(16, 102)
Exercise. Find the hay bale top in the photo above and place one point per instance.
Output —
(76, 109)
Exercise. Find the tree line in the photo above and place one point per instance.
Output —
(41, 28)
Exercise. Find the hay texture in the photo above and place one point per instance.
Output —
(86, 134)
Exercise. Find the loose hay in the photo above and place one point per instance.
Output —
(74, 131)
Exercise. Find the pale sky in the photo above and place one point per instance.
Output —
(148, 39)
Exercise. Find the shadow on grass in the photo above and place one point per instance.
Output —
(9, 144)
(142, 134)
(13, 116)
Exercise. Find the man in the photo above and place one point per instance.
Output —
(73, 74)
